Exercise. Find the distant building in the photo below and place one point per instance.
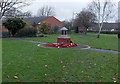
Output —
(38, 20)
(106, 27)
(3, 29)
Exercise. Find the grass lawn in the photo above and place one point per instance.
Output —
(31, 63)
(106, 41)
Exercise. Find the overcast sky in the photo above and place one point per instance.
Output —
(63, 8)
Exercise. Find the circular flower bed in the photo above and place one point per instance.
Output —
(58, 45)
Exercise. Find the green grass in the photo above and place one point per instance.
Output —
(28, 62)
(106, 41)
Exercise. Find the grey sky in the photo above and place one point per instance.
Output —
(63, 8)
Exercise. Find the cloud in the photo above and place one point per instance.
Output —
(63, 8)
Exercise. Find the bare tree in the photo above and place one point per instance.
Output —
(14, 12)
(103, 10)
(46, 11)
(119, 19)
(6, 5)
(85, 19)
(28, 14)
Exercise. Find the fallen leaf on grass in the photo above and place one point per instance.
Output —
(18, 81)
(82, 71)
(66, 80)
(93, 57)
(35, 77)
(99, 81)
(113, 78)
(102, 76)
(82, 62)
(78, 81)
(89, 67)
(46, 66)
(9, 63)
(88, 76)
(38, 45)
(118, 78)
(61, 62)
(8, 76)
(15, 77)
(53, 76)
(64, 66)
(45, 74)
(115, 74)
(90, 63)
(16, 74)
(65, 72)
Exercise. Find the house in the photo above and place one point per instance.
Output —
(38, 20)
(2, 28)
(106, 27)
(3, 31)
(110, 26)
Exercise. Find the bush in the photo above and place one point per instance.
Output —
(14, 25)
(44, 28)
(27, 32)
(5, 34)
(55, 30)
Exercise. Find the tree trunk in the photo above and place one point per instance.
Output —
(100, 26)
(118, 30)
(118, 35)
(86, 31)
(76, 30)
(13, 32)
(98, 36)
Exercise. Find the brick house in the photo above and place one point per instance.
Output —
(36, 21)
(2, 28)
(3, 31)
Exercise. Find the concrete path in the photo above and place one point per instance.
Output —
(93, 49)
(102, 50)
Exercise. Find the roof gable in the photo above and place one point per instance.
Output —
(110, 25)
(107, 26)
(35, 20)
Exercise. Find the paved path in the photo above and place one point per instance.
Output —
(93, 49)
(102, 50)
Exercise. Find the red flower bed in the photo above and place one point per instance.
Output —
(61, 45)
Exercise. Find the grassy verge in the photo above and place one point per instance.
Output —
(31, 63)
(106, 41)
